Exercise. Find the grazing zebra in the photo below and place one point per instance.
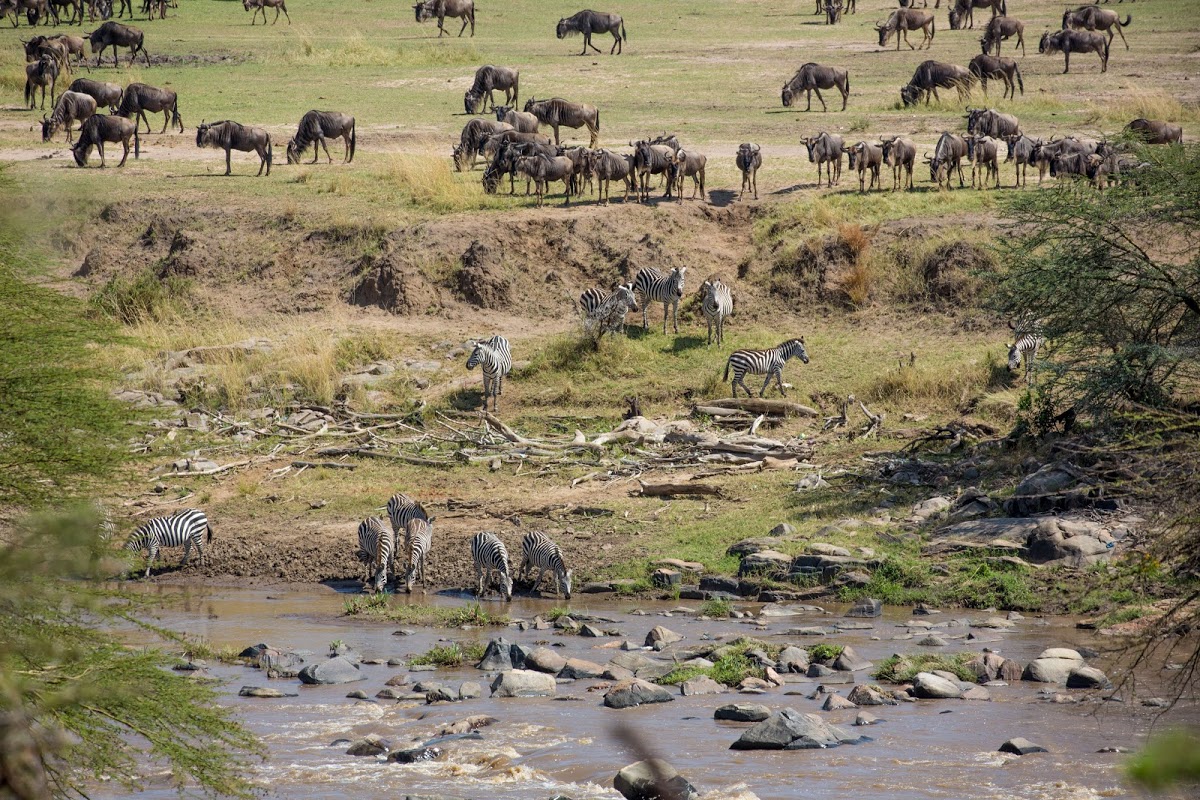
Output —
(489, 554)
(764, 362)
(659, 287)
(418, 541)
(185, 528)
(1028, 339)
(107, 528)
(494, 358)
(375, 552)
(539, 552)
(717, 305)
(607, 316)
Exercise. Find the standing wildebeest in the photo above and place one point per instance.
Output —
(556, 111)
(470, 142)
(1000, 28)
(1044, 155)
(749, 161)
(689, 164)
(455, 9)
(228, 136)
(140, 98)
(948, 154)
(41, 73)
(1153, 131)
(505, 152)
(651, 159)
(589, 22)
(607, 166)
(488, 78)
(904, 20)
(1020, 151)
(984, 152)
(35, 10)
(71, 106)
(263, 5)
(932, 75)
(826, 148)
(314, 127)
(541, 170)
(99, 129)
(813, 78)
(984, 66)
(57, 49)
(899, 153)
(104, 93)
(73, 44)
(850, 5)
(519, 120)
(1067, 42)
(1094, 18)
(989, 122)
(964, 11)
(866, 157)
(114, 35)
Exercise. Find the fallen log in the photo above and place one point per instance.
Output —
(673, 489)
(186, 474)
(333, 452)
(324, 464)
(760, 405)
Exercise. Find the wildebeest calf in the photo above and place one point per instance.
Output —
(826, 148)
(519, 120)
(40, 74)
(984, 153)
(228, 135)
(899, 153)
(866, 157)
(689, 164)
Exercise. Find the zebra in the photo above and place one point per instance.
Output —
(106, 528)
(717, 305)
(418, 541)
(539, 552)
(489, 553)
(1028, 339)
(494, 358)
(608, 315)
(658, 287)
(185, 528)
(764, 362)
(375, 552)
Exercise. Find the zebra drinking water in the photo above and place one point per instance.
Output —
(608, 315)
(494, 359)
(764, 362)
(659, 287)
(418, 541)
(538, 551)
(717, 305)
(490, 555)
(185, 528)
(1028, 339)
(375, 552)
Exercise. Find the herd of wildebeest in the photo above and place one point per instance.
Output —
(513, 144)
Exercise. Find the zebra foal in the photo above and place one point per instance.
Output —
(604, 312)
(490, 555)
(494, 359)
(660, 287)
(418, 541)
(1024, 349)
(538, 551)
(375, 552)
(764, 362)
(185, 528)
(717, 304)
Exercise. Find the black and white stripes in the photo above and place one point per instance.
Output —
(418, 541)
(186, 529)
(717, 304)
(1028, 340)
(660, 287)
(608, 315)
(494, 359)
(375, 552)
(490, 556)
(538, 551)
(764, 362)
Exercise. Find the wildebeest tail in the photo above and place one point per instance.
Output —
(516, 91)
(625, 35)
(270, 153)
(29, 92)
(932, 28)
(597, 120)
(1107, 42)
(1004, 8)
(354, 136)
(1128, 19)
(1020, 82)
(137, 143)
(175, 118)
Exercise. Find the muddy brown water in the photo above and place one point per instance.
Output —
(566, 745)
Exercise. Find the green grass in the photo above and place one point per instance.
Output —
(903, 668)
(730, 667)
(451, 655)
(824, 653)
(717, 609)
(379, 606)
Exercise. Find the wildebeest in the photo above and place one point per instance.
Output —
(813, 78)
(1101, 168)
(57, 49)
(948, 154)
(749, 161)
(104, 93)
(542, 170)
(314, 127)
(505, 153)
(849, 5)
(71, 107)
(455, 9)
(1020, 151)
(985, 67)
(34, 10)
(1044, 154)
(689, 164)
(826, 148)
(989, 122)
(932, 75)
(588, 22)
(40, 74)
(488, 78)
(903, 20)
(579, 174)
(519, 120)
(114, 35)
(97, 130)
(607, 166)
(1153, 131)
(263, 5)
(1067, 42)
(470, 144)
(1000, 28)
(899, 153)
(557, 112)
(1094, 18)
(964, 11)
(140, 98)
(74, 6)
(73, 44)
(228, 135)
(833, 12)
(651, 159)
(866, 157)
(984, 153)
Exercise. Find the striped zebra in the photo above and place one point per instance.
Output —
(185, 528)
(375, 552)
(717, 304)
(494, 359)
(609, 315)
(659, 287)
(538, 551)
(418, 541)
(106, 528)
(764, 362)
(490, 555)
(1028, 340)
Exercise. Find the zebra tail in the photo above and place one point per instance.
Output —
(210, 531)
(726, 371)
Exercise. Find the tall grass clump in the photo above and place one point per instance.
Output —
(141, 298)
(430, 181)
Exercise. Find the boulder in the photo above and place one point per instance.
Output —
(635, 692)
(442, 694)
(1087, 678)
(976, 693)
(863, 695)
(792, 659)
(932, 640)
(788, 729)
(742, 712)
(835, 702)
(414, 755)
(254, 651)
(369, 745)
(644, 780)
(765, 562)
(750, 546)
(543, 659)
(1052, 669)
(701, 684)
(850, 661)
(927, 510)
(469, 690)
(753, 684)
(1056, 541)
(928, 686)
(665, 578)
(591, 632)
(720, 583)
(497, 656)
(523, 683)
(263, 691)
(659, 637)
(579, 668)
(864, 718)
(866, 607)
(818, 671)
(335, 670)
(1021, 747)
(632, 661)
(823, 549)
(783, 529)
(357, 694)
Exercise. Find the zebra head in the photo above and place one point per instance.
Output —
(1014, 356)
(566, 584)
(624, 291)
(675, 281)
(794, 348)
(476, 357)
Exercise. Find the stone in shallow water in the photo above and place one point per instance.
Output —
(1021, 747)
(642, 781)
(742, 712)
(263, 691)
(635, 692)
(788, 729)
(335, 670)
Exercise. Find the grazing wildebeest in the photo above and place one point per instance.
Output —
(948, 154)
(1067, 42)
(314, 127)
(140, 98)
(932, 75)
(114, 35)
(488, 78)
(989, 122)
(73, 44)
(749, 161)
(1000, 28)
(504, 160)
(689, 164)
(826, 148)
(263, 5)
(97, 130)
(455, 9)
(40, 74)
(1020, 151)
(1045, 154)
(557, 112)
(651, 159)
(1070, 164)
(985, 67)
(1094, 18)
(904, 20)
(105, 94)
(984, 153)
(964, 11)
(1153, 131)
(228, 136)
(519, 120)
(813, 78)
(866, 157)
(71, 107)
(607, 166)
(899, 153)
(474, 134)
(542, 170)
(589, 22)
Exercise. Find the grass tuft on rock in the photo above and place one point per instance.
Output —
(903, 668)
(450, 655)
(378, 606)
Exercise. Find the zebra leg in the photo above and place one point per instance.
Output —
(779, 380)
(766, 383)
(187, 552)
(153, 556)
(665, 304)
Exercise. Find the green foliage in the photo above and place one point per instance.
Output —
(140, 298)
(824, 653)
(728, 670)
(1169, 759)
(557, 613)
(717, 609)
(451, 655)
(903, 668)
(379, 606)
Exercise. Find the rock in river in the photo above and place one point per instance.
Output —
(659, 637)
(866, 607)
(523, 683)
(1052, 666)
(643, 780)
(742, 712)
(263, 691)
(1021, 747)
(335, 670)
(788, 729)
(1087, 678)
(929, 686)
(543, 659)
(700, 685)
(635, 692)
